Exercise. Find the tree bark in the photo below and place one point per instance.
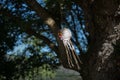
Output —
(103, 25)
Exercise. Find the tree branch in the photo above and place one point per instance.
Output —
(81, 3)
(45, 40)
(47, 18)
(27, 29)
(33, 4)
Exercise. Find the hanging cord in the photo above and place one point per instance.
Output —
(69, 56)
(75, 56)
(75, 53)
(72, 58)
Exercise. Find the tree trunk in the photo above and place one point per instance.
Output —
(103, 24)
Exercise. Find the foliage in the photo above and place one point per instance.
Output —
(40, 73)
(19, 24)
(26, 67)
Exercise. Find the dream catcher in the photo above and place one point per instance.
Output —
(72, 58)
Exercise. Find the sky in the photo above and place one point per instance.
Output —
(21, 46)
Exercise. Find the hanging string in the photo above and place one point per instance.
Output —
(69, 56)
(72, 58)
(65, 35)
